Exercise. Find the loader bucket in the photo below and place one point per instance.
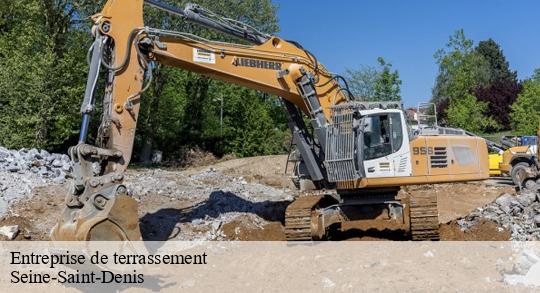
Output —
(101, 218)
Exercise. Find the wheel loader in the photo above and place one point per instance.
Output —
(354, 155)
(521, 163)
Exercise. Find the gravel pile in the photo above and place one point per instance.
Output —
(519, 214)
(199, 187)
(25, 169)
(47, 165)
(215, 199)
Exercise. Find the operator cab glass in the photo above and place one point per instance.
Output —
(383, 135)
(529, 140)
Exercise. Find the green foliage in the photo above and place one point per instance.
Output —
(43, 47)
(249, 126)
(502, 88)
(469, 114)
(499, 69)
(184, 108)
(362, 82)
(526, 110)
(387, 87)
(42, 74)
(536, 75)
(461, 69)
(372, 84)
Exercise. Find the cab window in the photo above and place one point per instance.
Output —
(383, 135)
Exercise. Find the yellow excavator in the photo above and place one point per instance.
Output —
(354, 155)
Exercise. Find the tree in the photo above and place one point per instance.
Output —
(181, 106)
(249, 127)
(461, 69)
(499, 68)
(469, 114)
(536, 75)
(502, 88)
(371, 84)
(387, 87)
(362, 82)
(525, 113)
(42, 82)
(500, 95)
(42, 78)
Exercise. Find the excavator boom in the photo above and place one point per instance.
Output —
(354, 155)
(98, 206)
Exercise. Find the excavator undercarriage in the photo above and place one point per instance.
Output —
(316, 215)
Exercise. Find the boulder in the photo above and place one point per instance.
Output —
(13, 168)
(60, 179)
(537, 220)
(43, 171)
(66, 166)
(526, 199)
(505, 200)
(44, 154)
(9, 231)
(57, 163)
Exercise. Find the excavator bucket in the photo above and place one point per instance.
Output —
(105, 216)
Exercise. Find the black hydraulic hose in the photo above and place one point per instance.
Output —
(346, 84)
(191, 13)
(166, 7)
(128, 52)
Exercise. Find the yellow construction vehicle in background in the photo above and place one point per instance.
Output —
(355, 155)
(495, 161)
(521, 163)
(495, 156)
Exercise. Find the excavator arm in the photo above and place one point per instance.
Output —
(124, 50)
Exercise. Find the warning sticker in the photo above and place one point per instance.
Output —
(203, 56)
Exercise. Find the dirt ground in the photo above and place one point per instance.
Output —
(164, 217)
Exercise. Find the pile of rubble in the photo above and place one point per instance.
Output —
(199, 186)
(25, 169)
(519, 214)
(212, 199)
(41, 162)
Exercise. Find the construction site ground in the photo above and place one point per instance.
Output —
(244, 199)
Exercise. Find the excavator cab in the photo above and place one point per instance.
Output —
(383, 135)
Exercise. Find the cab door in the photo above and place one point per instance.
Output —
(386, 151)
(400, 145)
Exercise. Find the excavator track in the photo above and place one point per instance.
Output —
(424, 217)
(298, 218)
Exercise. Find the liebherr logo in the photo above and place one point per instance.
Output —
(247, 62)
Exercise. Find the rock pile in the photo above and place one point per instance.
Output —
(41, 162)
(10, 232)
(23, 170)
(213, 200)
(519, 214)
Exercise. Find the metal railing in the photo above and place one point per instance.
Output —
(339, 151)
